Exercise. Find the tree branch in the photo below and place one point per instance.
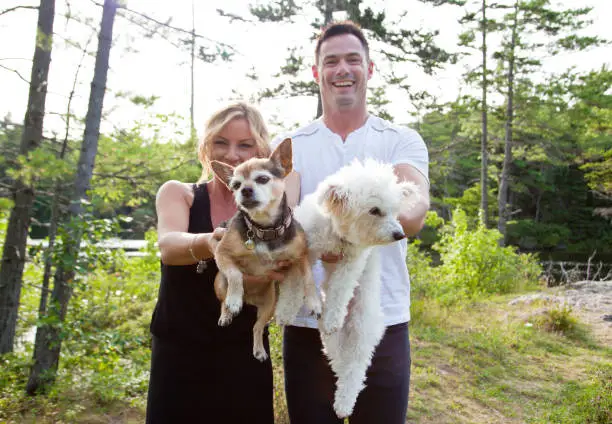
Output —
(232, 17)
(182, 30)
(18, 74)
(17, 7)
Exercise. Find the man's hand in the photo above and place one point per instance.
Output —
(332, 258)
(277, 274)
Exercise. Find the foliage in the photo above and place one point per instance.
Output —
(133, 163)
(558, 319)
(40, 164)
(531, 235)
(105, 362)
(106, 342)
(470, 201)
(472, 264)
(560, 146)
(419, 261)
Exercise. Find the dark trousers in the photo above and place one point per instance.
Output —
(220, 383)
(310, 382)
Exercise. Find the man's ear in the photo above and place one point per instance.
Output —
(223, 171)
(282, 156)
(315, 73)
(370, 69)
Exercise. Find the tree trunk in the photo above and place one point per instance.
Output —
(57, 206)
(48, 337)
(484, 198)
(504, 183)
(14, 252)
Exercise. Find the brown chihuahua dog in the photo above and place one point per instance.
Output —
(259, 235)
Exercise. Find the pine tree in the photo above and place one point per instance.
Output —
(48, 336)
(14, 251)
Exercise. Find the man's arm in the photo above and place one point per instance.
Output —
(413, 219)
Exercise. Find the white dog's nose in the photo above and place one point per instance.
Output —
(398, 235)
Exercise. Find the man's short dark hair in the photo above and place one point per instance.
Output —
(341, 28)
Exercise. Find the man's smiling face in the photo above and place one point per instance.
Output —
(342, 73)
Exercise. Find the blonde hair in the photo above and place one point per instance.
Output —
(220, 119)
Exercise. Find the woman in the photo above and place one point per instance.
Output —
(200, 372)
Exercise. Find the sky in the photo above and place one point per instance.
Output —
(148, 67)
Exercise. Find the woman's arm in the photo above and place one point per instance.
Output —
(174, 199)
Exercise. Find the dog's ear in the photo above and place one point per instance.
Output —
(334, 201)
(282, 157)
(223, 171)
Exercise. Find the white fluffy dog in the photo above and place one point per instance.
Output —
(353, 211)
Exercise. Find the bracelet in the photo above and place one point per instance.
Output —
(201, 263)
(193, 239)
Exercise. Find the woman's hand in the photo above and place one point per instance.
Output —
(213, 239)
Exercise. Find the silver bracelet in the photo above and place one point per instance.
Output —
(201, 263)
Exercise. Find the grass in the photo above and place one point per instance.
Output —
(484, 363)
(481, 362)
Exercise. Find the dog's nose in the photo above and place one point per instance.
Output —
(398, 235)
(247, 192)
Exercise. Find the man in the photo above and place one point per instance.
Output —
(344, 132)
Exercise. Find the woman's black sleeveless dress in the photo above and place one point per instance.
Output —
(200, 372)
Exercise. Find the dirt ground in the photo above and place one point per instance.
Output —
(591, 302)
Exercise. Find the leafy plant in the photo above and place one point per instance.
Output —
(473, 263)
(558, 319)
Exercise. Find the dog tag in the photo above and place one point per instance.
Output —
(201, 267)
(249, 244)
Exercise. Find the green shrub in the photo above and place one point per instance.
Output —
(557, 320)
(472, 264)
(419, 262)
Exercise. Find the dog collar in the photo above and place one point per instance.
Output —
(266, 234)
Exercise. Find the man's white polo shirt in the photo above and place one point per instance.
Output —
(318, 152)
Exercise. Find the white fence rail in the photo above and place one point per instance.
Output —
(131, 247)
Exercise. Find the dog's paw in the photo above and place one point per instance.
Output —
(282, 321)
(330, 323)
(329, 329)
(233, 304)
(225, 320)
(284, 318)
(260, 354)
(343, 408)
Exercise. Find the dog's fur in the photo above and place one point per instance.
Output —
(352, 211)
(259, 191)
